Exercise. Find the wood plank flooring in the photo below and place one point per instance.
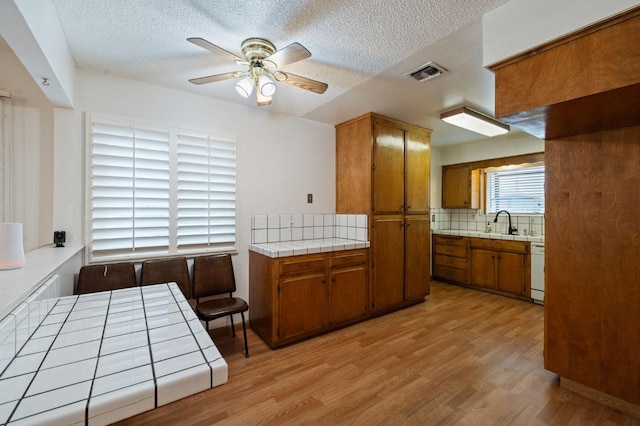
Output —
(461, 358)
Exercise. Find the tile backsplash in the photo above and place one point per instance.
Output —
(276, 228)
(475, 220)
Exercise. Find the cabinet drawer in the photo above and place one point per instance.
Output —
(451, 250)
(293, 267)
(451, 274)
(501, 245)
(349, 259)
(451, 261)
(450, 240)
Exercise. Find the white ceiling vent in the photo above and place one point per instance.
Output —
(427, 71)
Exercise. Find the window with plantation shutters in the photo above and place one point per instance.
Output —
(519, 190)
(157, 191)
(206, 191)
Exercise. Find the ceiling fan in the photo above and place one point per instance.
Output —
(263, 62)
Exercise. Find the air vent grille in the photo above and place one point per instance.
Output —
(427, 71)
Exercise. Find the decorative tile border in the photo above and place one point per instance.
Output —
(280, 228)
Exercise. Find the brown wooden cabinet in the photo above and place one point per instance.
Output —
(382, 170)
(501, 266)
(460, 187)
(299, 296)
(451, 258)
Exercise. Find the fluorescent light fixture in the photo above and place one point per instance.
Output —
(244, 87)
(475, 121)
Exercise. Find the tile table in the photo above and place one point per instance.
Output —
(98, 358)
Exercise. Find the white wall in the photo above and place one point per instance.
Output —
(32, 171)
(280, 158)
(532, 23)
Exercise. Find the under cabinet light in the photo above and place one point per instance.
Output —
(475, 121)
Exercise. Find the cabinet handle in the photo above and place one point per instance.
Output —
(333, 280)
(401, 206)
(409, 206)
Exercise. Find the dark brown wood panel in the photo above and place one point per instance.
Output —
(348, 294)
(598, 62)
(388, 172)
(592, 289)
(388, 262)
(416, 257)
(417, 171)
(353, 165)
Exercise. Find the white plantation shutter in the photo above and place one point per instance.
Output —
(518, 190)
(206, 191)
(154, 191)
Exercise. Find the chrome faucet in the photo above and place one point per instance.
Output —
(511, 230)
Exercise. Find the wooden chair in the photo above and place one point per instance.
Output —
(94, 278)
(173, 270)
(213, 276)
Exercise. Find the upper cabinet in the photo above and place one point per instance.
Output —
(460, 187)
(382, 166)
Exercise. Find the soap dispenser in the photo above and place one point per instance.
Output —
(488, 228)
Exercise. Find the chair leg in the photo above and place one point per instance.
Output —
(233, 327)
(244, 331)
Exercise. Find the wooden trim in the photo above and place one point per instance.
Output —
(601, 397)
(568, 38)
(503, 161)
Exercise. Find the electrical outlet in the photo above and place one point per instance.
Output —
(291, 226)
(433, 218)
(473, 217)
(309, 198)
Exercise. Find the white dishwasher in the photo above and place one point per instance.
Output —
(537, 272)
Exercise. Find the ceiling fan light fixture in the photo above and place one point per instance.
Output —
(244, 87)
(475, 121)
(266, 85)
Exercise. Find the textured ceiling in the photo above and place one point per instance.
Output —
(362, 49)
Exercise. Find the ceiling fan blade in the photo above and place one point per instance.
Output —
(213, 48)
(288, 55)
(301, 82)
(216, 77)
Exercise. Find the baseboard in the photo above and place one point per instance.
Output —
(601, 397)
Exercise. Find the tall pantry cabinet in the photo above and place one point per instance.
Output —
(382, 170)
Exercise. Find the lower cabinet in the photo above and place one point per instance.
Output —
(291, 298)
(501, 266)
(400, 264)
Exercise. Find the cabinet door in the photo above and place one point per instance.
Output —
(302, 305)
(348, 294)
(460, 187)
(388, 262)
(416, 258)
(511, 273)
(417, 170)
(388, 169)
(483, 268)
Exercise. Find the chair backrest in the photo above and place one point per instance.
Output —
(175, 269)
(213, 275)
(93, 278)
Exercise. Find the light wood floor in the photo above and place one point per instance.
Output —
(463, 357)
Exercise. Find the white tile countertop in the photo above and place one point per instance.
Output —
(101, 357)
(490, 235)
(300, 247)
